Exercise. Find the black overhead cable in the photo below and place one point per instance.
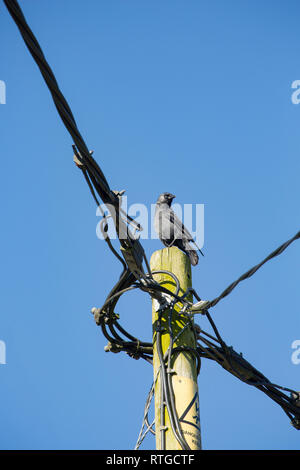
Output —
(61, 104)
(208, 304)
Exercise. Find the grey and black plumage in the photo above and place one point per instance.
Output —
(171, 230)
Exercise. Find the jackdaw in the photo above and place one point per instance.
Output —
(171, 230)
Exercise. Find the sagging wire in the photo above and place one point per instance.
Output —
(235, 363)
(107, 319)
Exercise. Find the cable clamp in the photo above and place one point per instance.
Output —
(163, 428)
(296, 398)
(113, 347)
(296, 423)
(100, 316)
(166, 302)
(199, 307)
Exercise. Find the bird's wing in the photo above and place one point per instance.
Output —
(180, 231)
(169, 227)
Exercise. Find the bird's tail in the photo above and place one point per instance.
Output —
(194, 258)
(198, 247)
(192, 254)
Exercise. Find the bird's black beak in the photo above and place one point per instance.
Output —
(171, 197)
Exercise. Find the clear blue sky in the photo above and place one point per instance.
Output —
(188, 97)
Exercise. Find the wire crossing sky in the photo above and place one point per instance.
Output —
(250, 202)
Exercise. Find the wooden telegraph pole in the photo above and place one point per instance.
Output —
(181, 367)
